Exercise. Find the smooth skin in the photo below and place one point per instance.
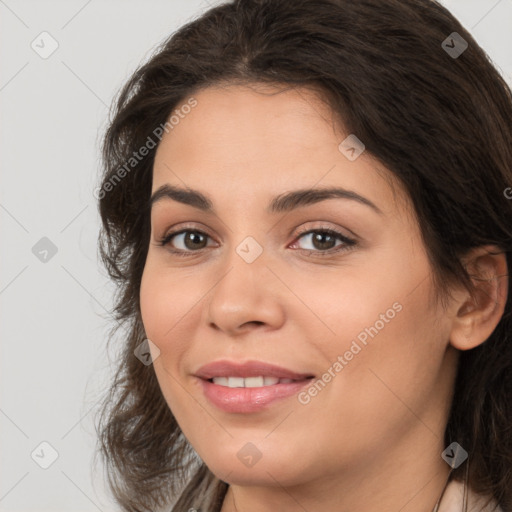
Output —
(372, 438)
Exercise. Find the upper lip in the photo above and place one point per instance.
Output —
(247, 369)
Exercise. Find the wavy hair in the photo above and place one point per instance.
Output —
(441, 124)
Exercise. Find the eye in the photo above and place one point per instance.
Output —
(324, 241)
(320, 241)
(185, 241)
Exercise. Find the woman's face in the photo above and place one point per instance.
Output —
(346, 313)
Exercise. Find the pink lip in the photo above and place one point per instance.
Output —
(247, 400)
(247, 369)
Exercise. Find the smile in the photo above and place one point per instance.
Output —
(248, 382)
(250, 386)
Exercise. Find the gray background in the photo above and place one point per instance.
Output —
(55, 317)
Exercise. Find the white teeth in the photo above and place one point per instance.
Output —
(248, 382)
(253, 382)
(236, 382)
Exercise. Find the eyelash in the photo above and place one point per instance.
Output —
(348, 243)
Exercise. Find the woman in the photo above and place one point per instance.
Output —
(305, 208)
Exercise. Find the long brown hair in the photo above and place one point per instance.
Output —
(441, 123)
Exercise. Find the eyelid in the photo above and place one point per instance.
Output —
(326, 227)
(194, 226)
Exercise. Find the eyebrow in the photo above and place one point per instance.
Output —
(282, 203)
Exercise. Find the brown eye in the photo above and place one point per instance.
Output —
(323, 241)
(186, 240)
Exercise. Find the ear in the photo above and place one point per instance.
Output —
(477, 316)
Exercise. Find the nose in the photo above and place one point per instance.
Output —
(247, 296)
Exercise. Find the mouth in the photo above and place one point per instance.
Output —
(247, 371)
(249, 387)
(249, 382)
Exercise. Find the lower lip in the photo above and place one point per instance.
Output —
(246, 400)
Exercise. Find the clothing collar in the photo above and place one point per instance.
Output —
(453, 500)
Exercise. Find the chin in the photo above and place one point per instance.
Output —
(247, 466)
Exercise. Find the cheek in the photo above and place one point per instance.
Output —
(390, 367)
(163, 302)
(392, 343)
(365, 293)
(152, 299)
(166, 301)
(347, 308)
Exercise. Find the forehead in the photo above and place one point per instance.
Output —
(240, 110)
(262, 140)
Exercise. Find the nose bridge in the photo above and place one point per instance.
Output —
(243, 292)
(246, 242)
(244, 272)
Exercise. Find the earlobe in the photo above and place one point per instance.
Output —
(478, 314)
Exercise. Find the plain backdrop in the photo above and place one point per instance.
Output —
(54, 295)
